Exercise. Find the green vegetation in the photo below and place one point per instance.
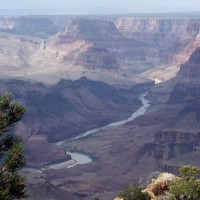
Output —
(188, 186)
(12, 183)
(134, 192)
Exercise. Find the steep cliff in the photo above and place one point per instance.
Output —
(183, 27)
(171, 41)
(189, 71)
(100, 48)
(93, 28)
(90, 48)
(178, 143)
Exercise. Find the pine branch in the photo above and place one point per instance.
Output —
(12, 184)
(15, 160)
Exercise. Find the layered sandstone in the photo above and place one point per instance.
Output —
(106, 49)
(173, 39)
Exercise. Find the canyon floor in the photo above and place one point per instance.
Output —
(79, 73)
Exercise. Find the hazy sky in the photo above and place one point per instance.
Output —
(129, 5)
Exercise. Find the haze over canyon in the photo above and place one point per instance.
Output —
(79, 73)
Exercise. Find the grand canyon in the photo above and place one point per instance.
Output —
(80, 73)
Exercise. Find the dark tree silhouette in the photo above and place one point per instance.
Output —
(12, 183)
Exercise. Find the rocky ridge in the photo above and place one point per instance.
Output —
(67, 109)
(178, 143)
(124, 46)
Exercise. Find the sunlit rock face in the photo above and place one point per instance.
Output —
(100, 48)
(168, 42)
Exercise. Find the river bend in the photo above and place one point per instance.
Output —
(79, 158)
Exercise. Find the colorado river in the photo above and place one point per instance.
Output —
(77, 159)
(137, 113)
(80, 159)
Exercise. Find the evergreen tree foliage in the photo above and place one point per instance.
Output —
(12, 183)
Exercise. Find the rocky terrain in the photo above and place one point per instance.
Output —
(65, 110)
(159, 186)
(163, 139)
(108, 49)
(42, 65)
(183, 134)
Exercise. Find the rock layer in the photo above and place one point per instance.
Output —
(166, 137)
(106, 49)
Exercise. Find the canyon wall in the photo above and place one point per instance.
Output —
(65, 110)
(178, 143)
(122, 51)
(171, 41)
(166, 137)
(100, 48)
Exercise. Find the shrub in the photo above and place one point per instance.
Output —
(188, 186)
(134, 192)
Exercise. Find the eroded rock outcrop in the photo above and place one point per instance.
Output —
(99, 48)
(172, 41)
(160, 185)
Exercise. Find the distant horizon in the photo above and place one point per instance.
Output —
(85, 11)
(96, 7)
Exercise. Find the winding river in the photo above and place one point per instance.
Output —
(140, 111)
(78, 158)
